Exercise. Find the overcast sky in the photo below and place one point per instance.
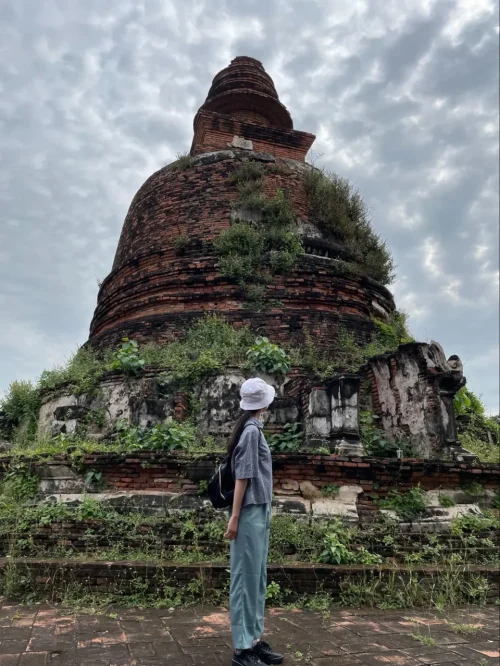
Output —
(95, 95)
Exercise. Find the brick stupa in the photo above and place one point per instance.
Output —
(157, 288)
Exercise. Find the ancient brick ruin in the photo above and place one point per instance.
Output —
(166, 276)
(153, 293)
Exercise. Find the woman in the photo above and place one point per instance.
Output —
(248, 528)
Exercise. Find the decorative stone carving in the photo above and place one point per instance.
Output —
(413, 391)
(333, 415)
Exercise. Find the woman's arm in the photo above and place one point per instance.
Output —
(239, 492)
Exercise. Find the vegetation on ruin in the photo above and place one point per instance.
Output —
(183, 162)
(107, 533)
(181, 243)
(409, 505)
(20, 407)
(270, 358)
(288, 440)
(348, 354)
(339, 211)
(446, 501)
(127, 358)
(477, 432)
(211, 346)
(169, 436)
(375, 440)
(251, 253)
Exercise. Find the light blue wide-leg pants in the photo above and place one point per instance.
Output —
(249, 553)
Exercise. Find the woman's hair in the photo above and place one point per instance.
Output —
(238, 430)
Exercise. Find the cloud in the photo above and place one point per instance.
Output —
(402, 95)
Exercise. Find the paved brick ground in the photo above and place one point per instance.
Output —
(43, 636)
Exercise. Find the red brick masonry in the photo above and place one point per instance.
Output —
(179, 473)
(299, 578)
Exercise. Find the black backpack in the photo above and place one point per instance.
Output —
(221, 485)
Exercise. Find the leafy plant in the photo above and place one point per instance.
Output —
(96, 417)
(409, 505)
(471, 523)
(446, 501)
(473, 489)
(252, 252)
(477, 432)
(180, 244)
(94, 479)
(375, 440)
(248, 172)
(288, 440)
(20, 405)
(393, 332)
(347, 354)
(330, 490)
(19, 483)
(462, 401)
(339, 211)
(170, 436)
(363, 556)
(268, 357)
(273, 592)
(127, 358)
(335, 551)
(81, 373)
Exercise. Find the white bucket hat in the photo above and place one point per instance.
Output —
(256, 394)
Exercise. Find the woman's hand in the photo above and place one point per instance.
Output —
(232, 528)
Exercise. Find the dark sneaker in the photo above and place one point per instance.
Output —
(266, 654)
(247, 658)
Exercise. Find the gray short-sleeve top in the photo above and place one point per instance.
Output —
(252, 460)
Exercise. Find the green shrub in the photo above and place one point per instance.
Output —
(210, 345)
(337, 208)
(363, 556)
(251, 253)
(81, 373)
(473, 523)
(287, 441)
(184, 161)
(330, 490)
(255, 295)
(240, 250)
(278, 211)
(273, 592)
(20, 405)
(181, 243)
(250, 171)
(127, 358)
(268, 357)
(446, 501)
(336, 550)
(18, 484)
(477, 432)
(375, 440)
(473, 489)
(170, 436)
(409, 505)
(466, 403)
